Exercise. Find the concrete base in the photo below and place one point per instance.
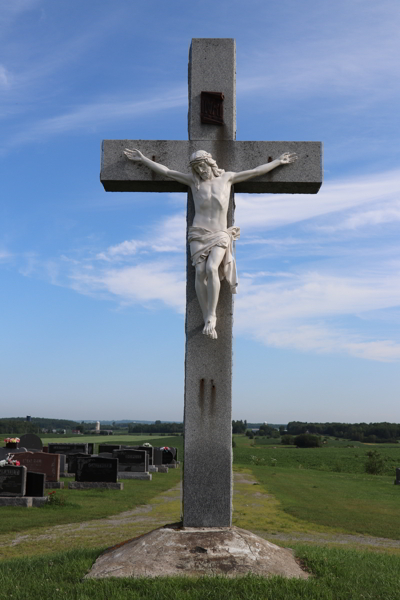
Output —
(190, 551)
(39, 501)
(91, 485)
(162, 469)
(153, 469)
(54, 485)
(133, 475)
(171, 466)
(25, 501)
(67, 474)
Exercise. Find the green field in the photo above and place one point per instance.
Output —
(335, 458)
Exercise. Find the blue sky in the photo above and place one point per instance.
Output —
(92, 284)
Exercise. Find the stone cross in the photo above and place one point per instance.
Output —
(207, 477)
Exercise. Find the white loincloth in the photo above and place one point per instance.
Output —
(223, 239)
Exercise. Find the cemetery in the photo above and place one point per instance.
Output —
(210, 508)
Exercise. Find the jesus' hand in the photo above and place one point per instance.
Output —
(134, 154)
(287, 158)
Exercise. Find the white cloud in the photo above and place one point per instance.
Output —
(4, 77)
(305, 312)
(86, 116)
(155, 282)
(166, 236)
(271, 211)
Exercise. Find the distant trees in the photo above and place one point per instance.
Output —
(306, 440)
(239, 426)
(361, 432)
(156, 427)
(287, 439)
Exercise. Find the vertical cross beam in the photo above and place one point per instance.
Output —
(207, 478)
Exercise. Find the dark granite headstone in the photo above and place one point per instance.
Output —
(96, 469)
(68, 448)
(169, 456)
(397, 480)
(12, 481)
(136, 461)
(31, 441)
(148, 449)
(63, 463)
(40, 462)
(72, 461)
(35, 483)
(108, 447)
(157, 456)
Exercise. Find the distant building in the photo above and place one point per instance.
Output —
(97, 427)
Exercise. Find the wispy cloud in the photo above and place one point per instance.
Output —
(167, 236)
(149, 284)
(271, 211)
(87, 116)
(305, 313)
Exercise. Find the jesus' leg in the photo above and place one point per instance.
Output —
(201, 287)
(213, 286)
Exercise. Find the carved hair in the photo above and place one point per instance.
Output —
(203, 156)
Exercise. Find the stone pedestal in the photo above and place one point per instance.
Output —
(194, 552)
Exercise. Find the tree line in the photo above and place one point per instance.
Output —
(156, 427)
(358, 432)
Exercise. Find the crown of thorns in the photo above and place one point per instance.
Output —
(199, 156)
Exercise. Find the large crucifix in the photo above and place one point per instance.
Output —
(207, 167)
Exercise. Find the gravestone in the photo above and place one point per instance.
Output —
(131, 460)
(95, 469)
(94, 472)
(67, 449)
(148, 449)
(397, 480)
(13, 481)
(73, 460)
(31, 441)
(39, 462)
(108, 447)
(35, 484)
(168, 456)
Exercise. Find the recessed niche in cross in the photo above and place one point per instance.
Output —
(207, 167)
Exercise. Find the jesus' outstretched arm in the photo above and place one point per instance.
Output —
(137, 156)
(284, 159)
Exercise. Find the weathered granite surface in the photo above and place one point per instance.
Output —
(302, 177)
(196, 552)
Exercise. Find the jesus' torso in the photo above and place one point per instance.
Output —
(211, 202)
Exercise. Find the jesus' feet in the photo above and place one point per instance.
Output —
(209, 327)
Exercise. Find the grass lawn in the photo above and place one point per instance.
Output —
(336, 575)
(363, 504)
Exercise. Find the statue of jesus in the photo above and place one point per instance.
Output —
(210, 239)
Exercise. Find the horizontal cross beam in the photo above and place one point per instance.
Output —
(301, 177)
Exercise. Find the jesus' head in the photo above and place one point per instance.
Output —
(204, 167)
